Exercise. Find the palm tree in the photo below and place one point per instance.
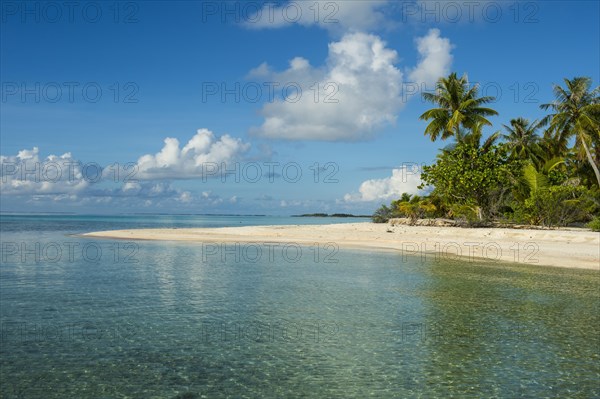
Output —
(576, 113)
(552, 145)
(415, 207)
(522, 139)
(458, 106)
(535, 178)
(473, 138)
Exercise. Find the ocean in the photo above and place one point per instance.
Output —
(89, 318)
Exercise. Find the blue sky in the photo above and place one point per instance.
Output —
(113, 84)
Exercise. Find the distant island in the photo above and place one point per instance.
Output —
(333, 215)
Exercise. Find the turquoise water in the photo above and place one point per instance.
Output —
(166, 320)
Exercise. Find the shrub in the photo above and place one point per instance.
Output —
(470, 175)
(556, 206)
(415, 208)
(464, 213)
(382, 215)
(594, 224)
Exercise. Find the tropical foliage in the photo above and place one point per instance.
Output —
(576, 113)
(458, 107)
(538, 172)
(415, 207)
(594, 224)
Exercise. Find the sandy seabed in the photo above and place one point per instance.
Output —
(564, 248)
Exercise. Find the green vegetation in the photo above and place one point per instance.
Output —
(383, 214)
(416, 207)
(594, 224)
(518, 177)
(458, 107)
(473, 176)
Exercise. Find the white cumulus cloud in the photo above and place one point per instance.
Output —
(436, 58)
(64, 178)
(198, 157)
(402, 180)
(356, 93)
(28, 173)
(335, 16)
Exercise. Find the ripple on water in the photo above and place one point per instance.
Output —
(373, 324)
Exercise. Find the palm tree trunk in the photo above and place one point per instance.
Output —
(591, 160)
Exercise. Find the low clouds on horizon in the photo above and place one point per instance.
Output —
(64, 177)
(402, 180)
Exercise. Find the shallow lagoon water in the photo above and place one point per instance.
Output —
(158, 320)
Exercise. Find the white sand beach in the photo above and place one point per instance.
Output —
(564, 248)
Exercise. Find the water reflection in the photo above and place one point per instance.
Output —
(373, 324)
